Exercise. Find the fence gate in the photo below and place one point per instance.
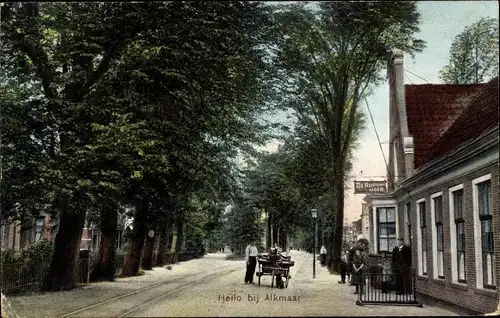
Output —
(388, 289)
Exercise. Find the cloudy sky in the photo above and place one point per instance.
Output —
(441, 21)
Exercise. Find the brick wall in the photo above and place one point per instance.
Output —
(468, 296)
(495, 189)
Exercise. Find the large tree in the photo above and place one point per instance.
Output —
(62, 51)
(328, 57)
(473, 54)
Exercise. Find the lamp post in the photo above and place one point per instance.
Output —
(314, 215)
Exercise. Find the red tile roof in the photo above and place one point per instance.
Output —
(430, 110)
(480, 116)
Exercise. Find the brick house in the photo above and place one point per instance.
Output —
(16, 235)
(443, 188)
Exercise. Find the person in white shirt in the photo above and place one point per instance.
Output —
(251, 261)
(322, 254)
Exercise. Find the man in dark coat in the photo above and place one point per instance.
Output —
(350, 260)
(401, 264)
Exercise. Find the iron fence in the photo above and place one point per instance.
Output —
(23, 276)
(28, 276)
(388, 289)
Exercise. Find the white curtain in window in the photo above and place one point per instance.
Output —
(440, 259)
(383, 245)
(461, 266)
(490, 269)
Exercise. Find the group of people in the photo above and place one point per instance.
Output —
(354, 264)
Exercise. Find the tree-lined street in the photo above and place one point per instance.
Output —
(135, 132)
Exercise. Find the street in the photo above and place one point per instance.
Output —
(212, 286)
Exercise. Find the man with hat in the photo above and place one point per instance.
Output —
(251, 261)
(401, 264)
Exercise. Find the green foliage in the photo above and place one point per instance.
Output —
(242, 225)
(327, 60)
(41, 250)
(473, 54)
(36, 254)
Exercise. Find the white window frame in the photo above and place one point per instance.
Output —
(389, 248)
(419, 240)
(477, 230)
(406, 218)
(453, 235)
(435, 269)
(374, 234)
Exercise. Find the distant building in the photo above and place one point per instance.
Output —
(365, 222)
(443, 189)
(16, 235)
(356, 230)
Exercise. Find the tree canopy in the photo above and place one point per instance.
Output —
(473, 54)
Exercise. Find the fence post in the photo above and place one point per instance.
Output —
(88, 268)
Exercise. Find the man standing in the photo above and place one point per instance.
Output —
(350, 260)
(251, 261)
(322, 253)
(401, 264)
(343, 267)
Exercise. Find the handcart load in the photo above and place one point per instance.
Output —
(277, 265)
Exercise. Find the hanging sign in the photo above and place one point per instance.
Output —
(369, 187)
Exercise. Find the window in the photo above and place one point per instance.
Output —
(39, 225)
(456, 207)
(386, 229)
(487, 246)
(119, 237)
(95, 239)
(26, 233)
(438, 235)
(422, 237)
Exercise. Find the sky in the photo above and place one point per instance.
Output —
(441, 21)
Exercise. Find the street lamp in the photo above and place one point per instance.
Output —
(314, 215)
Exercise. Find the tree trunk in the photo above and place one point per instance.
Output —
(132, 260)
(178, 242)
(147, 258)
(61, 275)
(339, 229)
(338, 214)
(106, 268)
(162, 245)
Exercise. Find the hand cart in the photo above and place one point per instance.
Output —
(267, 268)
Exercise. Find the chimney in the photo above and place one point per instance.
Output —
(400, 142)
